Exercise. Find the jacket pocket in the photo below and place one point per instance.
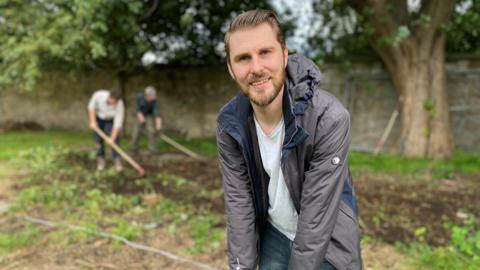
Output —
(344, 247)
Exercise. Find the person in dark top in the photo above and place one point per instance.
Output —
(148, 118)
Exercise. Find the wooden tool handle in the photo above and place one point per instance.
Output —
(122, 153)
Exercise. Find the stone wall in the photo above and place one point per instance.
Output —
(190, 98)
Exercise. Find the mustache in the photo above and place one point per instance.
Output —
(258, 77)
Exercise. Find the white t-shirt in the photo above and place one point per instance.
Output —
(281, 211)
(98, 103)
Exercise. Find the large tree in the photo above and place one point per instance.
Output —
(71, 35)
(191, 32)
(410, 39)
(114, 35)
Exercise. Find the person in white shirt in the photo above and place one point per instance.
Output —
(106, 111)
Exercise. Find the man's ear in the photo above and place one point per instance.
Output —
(230, 71)
(285, 56)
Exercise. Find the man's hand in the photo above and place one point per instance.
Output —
(93, 124)
(140, 118)
(110, 140)
(158, 124)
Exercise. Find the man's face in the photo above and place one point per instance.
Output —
(149, 98)
(257, 63)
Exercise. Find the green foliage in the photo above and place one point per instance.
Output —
(61, 188)
(205, 145)
(42, 159)
(461, 162)
(463, 32)
(11, 241)
(165, 208)
(463, 252)
(346, 37)
(202, 230)
(77, 35)
(429, 106)
(16, 142)
(126, 229)
(87, 234)
(67, 34)
(351, 35)
(402, 33)
(191, 32)
(171, 180)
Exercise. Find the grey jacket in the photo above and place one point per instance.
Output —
(315, 169)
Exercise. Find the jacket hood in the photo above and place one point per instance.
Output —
(302, 76)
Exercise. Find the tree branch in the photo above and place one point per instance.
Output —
(439, 13)
(376, 13)
(150, 11)
(400, 11)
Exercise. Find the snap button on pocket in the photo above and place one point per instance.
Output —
(335, 160)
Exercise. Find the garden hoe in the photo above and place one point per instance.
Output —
(122, 153)
(180, 147)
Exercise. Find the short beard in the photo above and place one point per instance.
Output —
(269, 99)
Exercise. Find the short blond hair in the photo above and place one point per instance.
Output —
(251, 19)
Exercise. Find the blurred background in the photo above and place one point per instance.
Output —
(408, 71)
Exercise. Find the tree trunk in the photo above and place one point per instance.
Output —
(413, 117)
(441, 137)
(416, 65)
(122, 79)
(425, 119)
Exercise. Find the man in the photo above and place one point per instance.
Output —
(148, 115)
(106, 111)
(283, 147)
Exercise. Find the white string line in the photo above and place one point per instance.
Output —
(121, 239)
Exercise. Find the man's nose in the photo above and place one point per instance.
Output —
(257, 66)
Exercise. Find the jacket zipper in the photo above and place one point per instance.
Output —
(238, 264)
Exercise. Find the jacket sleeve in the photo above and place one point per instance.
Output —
(321, 192)
(241, 235)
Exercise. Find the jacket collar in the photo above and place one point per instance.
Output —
(302, 76)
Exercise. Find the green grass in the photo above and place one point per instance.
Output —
(75, 193)
(12, 241)
(78, 194)
(14, 142)
(461, 162)
(462, 253)
(205, 146)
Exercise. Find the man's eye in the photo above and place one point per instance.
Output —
(243, 58)
(264, 52)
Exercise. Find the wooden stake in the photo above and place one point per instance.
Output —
(386, 132)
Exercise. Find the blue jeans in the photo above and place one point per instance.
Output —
(276, 249)
(106, 126)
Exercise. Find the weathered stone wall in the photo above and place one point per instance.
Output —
(190, 98)
(370, 97)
